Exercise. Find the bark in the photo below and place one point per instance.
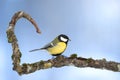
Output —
(57, 62)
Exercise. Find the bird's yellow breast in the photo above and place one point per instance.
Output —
(57, 49)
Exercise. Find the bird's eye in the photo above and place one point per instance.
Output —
(63, 39)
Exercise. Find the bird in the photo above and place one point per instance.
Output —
(57, 46)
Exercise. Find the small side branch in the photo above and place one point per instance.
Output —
(19, 15)
(13, 40)
(57, 62)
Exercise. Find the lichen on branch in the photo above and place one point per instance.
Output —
(57, 62)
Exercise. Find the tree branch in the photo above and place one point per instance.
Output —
(59, 61)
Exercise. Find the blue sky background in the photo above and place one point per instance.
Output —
(92, 25)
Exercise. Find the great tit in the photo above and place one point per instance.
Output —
(57, 46)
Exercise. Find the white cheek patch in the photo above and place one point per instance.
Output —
(63, 39)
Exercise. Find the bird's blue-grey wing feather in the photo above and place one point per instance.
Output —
(48, 46)
(45, 47)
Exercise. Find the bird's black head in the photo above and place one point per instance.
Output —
(63, 38)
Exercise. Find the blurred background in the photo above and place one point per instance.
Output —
(92, 25)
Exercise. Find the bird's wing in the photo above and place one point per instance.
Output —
(48, 45)
(51, 44)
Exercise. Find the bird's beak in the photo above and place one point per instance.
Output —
(69, 39)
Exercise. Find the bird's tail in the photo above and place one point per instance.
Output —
(34, 50)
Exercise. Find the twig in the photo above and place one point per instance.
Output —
(13, 40)
(19, 15)
(59, 61)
